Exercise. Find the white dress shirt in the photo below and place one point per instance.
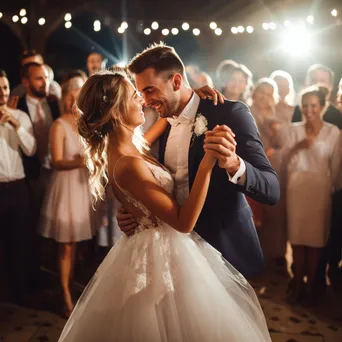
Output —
(177, 151)
(11, 165)
(32, 104)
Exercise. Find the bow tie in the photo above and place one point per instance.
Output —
(175, 121)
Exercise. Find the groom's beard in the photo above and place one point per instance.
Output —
(170, 108)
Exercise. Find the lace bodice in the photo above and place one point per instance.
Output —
(147, 220)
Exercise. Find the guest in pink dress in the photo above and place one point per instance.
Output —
(67, 214)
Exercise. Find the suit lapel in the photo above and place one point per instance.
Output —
(196, 152)
(162, 144)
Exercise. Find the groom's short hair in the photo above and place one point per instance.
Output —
(160, 57)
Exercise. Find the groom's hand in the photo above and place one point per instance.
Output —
(126, 222)
(221, 140)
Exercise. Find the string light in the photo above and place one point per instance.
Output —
(175, 31)
(15, 18)
(218, 31)
(147, 31)
(121, 30)
(241, 29)
(185, 26)
(155, 25)
(68, 24)
(24, 20)
(249, 29)
(1, 15)
(265, 26)
(124, 25)
(234, 30)
(41, 21)
(272, 26)
(22, 12)
(165, 32)
(213, 25)
(334, 12)
(67, 17)
(196, 32)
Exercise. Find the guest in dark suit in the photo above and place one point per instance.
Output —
(322, 75)
(226, 219)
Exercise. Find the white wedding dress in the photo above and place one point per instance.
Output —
(161, 285)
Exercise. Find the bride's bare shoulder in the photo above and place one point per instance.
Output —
(129, 169)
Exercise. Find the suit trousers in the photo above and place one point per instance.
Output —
(14, 232)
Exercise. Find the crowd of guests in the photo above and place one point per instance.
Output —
(44, 180)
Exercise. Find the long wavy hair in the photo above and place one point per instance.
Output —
(103, 95)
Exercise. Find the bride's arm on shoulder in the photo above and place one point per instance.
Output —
(134, 175)
(155, 131)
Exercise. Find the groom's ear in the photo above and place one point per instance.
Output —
(177, 81)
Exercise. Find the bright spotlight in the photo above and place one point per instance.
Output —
(147, 31)
(241, 29)
(249, 29)
(121, 30)
(121, 64)
(165, 32)
(124, 25)
(155, 25)
(68, 24)
(266, 26)
(218, 31)
(196, 32)
(234, 30)
(272, 26)
(297, 41)
(310, 19)
(67, 17)
(213, 25)
(175, 31)
(15, 18)
(185, 26)
(24, 20)
(22, 12)
(41, 21)
(334, 13)
(287, 23)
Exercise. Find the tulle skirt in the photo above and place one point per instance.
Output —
(162, 285)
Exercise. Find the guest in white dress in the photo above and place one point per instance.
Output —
(67, 213)
(313, 163)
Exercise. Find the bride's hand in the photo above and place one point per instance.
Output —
(209, 160)
(210, 93)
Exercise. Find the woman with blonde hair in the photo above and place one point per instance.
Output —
(160, 284)
(67, 214)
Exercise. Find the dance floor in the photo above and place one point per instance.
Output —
(286, 323)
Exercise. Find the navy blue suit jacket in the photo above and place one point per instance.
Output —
(226, 219)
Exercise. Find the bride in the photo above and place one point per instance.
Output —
(164, 283)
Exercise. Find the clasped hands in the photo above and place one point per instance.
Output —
(221, 142)
(5, 117)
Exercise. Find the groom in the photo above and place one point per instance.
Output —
(243, 168)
